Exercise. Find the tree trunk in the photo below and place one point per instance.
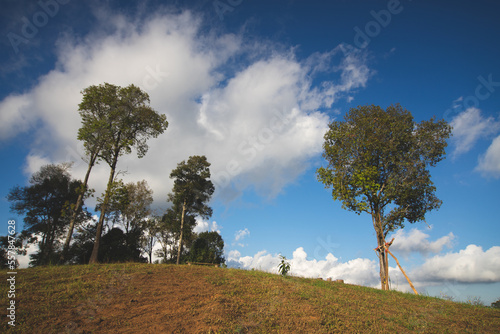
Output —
(382, 255)
(179, 250)
(78, 204)
(95, 251)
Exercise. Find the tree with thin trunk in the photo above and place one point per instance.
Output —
(378, 163)
(191, 192)
(130, 123)
(150, 228)
(94, 110)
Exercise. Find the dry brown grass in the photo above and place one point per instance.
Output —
(142, 298)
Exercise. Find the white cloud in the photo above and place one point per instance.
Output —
(204, 226)
(34, 163)
(258, 125)
(470, 265)
(417, 241)
(489, 163)
(15, 116)
(357, 271)
(468, 127)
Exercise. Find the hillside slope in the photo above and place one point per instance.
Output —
(142, 298)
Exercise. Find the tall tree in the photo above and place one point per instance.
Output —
(191, 192)
(378, 163)
(45, 204)
(131, 122)
(95, 110)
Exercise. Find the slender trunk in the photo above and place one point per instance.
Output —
(151, 251)
(179, 250)
(50, 241)
(77, 207)
(95, 251)
(382, 255)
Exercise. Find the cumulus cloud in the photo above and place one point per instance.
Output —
(489, 163)
(468, 127)
(357, 271)
(416, 241)
(257, 121)
(204, 226)
(470, 265)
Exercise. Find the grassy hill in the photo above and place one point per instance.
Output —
(141, 298)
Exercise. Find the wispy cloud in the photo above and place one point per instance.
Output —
(241, 234)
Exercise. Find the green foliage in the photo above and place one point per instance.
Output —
(284, 266)
(169, 230)
(115, 120)
(496, 304)
(130, 204)
(191, 192)
(208, 247)
(150, 228)
(118, 246)
(378, 159)
(46, 206)
(5, 257)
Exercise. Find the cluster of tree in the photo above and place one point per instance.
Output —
(378, 163)
(115, 120)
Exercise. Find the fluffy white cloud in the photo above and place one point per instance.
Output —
(357, 271)
(470, 265)
(468, 127)
(257, 121)
(417, 241)
(203, 226)
(489, 163)
(15, 116)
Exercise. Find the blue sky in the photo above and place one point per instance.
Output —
(253, 85)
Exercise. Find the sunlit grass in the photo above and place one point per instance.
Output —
(50, 298)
